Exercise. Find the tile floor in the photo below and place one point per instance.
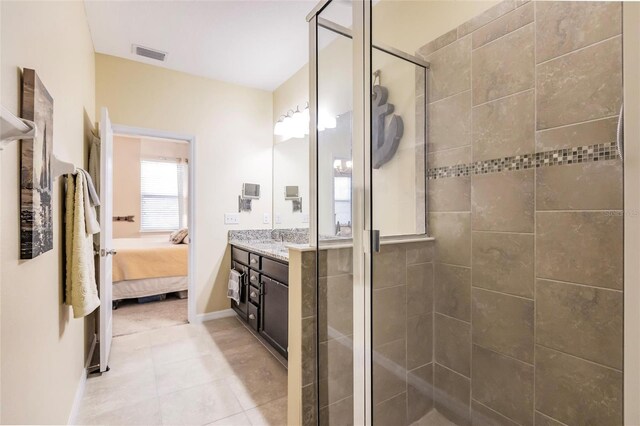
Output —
(214, 373)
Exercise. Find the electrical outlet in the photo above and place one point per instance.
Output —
(305, 218)
(278, 219)
(266, 218)
(231, 218)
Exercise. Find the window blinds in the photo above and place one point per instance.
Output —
(162, 191)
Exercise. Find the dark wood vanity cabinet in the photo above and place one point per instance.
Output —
(264, 296)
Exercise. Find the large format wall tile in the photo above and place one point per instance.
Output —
(391, 411)
(581, 247)
(450, 194)
(454, 109)
(450, 70)
(419, 340)
(419, 392)
(419, 289)
(571, 89)
(449, 157)
(482, 415)
(308, 350)
(577, 392)
(504, 25)
(389, 370)
(582, 134)
(504, 262)
(452, 394)
(389, 266)
(564, 26)
(389, 307)
(336, 370)
(340, 413)
(421, 252)
(542, 420)
(503, 67)
(438, 43)
(335, 262)
(453, 344)
(584, 186)
(503, 324)
(503, 384)
(503, 201)
(504, 128)
(452, 232)
(452, 291)
(579, 320)
(487, 16)
(337, 316)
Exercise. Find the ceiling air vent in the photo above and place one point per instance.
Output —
(149, 53)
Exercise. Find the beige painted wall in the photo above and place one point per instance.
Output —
(233, 130)
(127, 153)
(43, 347)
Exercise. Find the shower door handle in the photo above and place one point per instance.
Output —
(375, 241)
(620, 133)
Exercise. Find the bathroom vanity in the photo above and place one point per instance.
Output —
(264, 295)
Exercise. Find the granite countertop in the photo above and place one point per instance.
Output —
(271, 248)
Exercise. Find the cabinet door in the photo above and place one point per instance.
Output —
(275, 314)
(241, 306)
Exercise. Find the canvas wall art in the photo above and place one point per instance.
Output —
(36, 182)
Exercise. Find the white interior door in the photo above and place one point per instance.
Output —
(106, 246)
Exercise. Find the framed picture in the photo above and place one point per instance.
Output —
(36, 182)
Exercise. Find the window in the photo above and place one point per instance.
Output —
(163, 192)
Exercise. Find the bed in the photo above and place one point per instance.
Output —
(146, 267)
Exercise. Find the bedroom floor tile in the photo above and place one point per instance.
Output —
(213, 373)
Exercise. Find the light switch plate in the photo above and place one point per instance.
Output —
(278, 219)
(231, 218)
(305, 218)
(266, 218)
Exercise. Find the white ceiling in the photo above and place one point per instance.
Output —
(253, 43)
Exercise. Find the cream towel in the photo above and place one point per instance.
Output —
(81, 291)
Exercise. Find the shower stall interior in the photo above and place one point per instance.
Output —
(469, 214)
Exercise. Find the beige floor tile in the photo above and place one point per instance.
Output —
(191, 372)
(239, 419)
(142, 413)
(199, 405)
(111, 392)
(222, 324)
(272, 414)
(259, 387)
(163, 336)
(125, 359)
(183, 349)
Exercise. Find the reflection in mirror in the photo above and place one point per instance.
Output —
(291, 183)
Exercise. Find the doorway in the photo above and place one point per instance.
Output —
(150, 233)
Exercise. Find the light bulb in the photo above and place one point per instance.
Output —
(326, 120)
(279, 128)
(337, 164)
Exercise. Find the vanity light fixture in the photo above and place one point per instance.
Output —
(295, 124)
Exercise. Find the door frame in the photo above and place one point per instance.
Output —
(122, 130)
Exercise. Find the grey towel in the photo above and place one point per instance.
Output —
(93, 194)
(234, 285)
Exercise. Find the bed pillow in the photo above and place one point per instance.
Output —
(178, 236)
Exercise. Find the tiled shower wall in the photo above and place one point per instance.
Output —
(525, 203)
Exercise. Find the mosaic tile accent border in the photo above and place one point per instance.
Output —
(558, 157)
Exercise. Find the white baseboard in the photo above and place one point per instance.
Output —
(215, 315)
(77, 399)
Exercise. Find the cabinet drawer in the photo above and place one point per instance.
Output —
(276, 270)
(254, 278)
(253, 316)
(254, 261)
(238, 255)
(254, 295)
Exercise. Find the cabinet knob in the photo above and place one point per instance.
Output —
(253, 278)
(252, 317)
(253, 294)
(254, 261)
